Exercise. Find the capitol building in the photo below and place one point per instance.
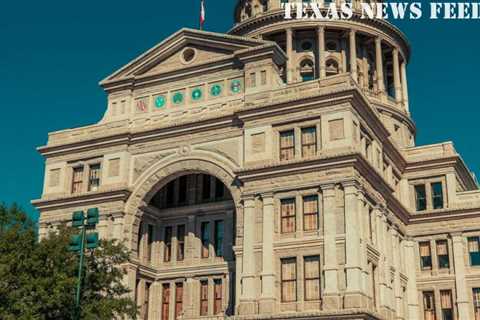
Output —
(271, 172)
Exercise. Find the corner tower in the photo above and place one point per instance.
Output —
(373, 52)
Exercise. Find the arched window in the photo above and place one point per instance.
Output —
(332, 46)
(307, 70)
(332, 67)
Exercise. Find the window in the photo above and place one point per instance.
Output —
(476, 302)
(437, 195)
(178, 299)
(446, 304)
(165, 301)
(218, 293)
(205, 233)
(287, 145)
(310, 213)
(170, 193)
(146, 299)
(182, 190)
(149, 242)
(167, 257)
(218, 235)
(332, 68)
(206, 187)
(429, 305)
(425, 256)
(94, 177)
(287, 211)
(309, 141)
(473, 250)
(289, 280)
(219, 189)
(181, 242)
(312, 278)
(307, 70)
(77, 180)
(203, 297)
(420, 197)
(442, 254)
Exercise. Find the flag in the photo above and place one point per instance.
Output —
(202, 14)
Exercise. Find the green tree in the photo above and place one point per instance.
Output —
(38, 279)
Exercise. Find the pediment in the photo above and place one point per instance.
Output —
(170, 54)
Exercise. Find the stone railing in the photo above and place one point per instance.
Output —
(430, 151)
(468, 199)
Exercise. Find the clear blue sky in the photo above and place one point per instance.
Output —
(53, 53)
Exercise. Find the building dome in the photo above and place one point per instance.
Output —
(377, 62)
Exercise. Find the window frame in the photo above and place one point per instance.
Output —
(306, 145)
(292, 215)
(316, 214)
(474, 256)
(429, 257)
(283, 281)
(292, 147)
(442, 264)
(311, 279)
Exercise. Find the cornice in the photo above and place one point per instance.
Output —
(67, 201)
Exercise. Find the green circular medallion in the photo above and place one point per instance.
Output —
(196, 94)
(160, 101)
(178, 98)
(216, 90)
(236, 86)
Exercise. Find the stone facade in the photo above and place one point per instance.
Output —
(271, 173)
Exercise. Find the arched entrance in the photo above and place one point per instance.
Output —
(183, 234)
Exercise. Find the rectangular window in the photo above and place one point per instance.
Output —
(167, 256)
(287, 145)
(309, 142)
(429, 305)
(218, 234)
(263, 77)
(312, 278)
(181, 242)
(476, 302)
(253, 80)
(219, 189)
(146, 300)
(94, 177)
(310, 213)
(165, 301)
(182, 190)
(77, 180)
(205, 233)
(178, 299)
(170, 196)
(442, 254)
(420, 197)
(149, 242)
(204, 298)
(437, 195)
(474, 251)
(206, 187)
(289, 279)
(446, 304)
(425, 256)
(218, 294)
(287, 211)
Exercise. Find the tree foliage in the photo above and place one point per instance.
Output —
(38, 278)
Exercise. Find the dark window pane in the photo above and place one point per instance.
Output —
(206, 187)
(219, 189)
(170, 193)
(437, 195)
(182, 190)
(420, 197)
(219, 238)
(205, 230)
(475, 258)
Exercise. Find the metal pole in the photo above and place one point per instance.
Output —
(80, 269)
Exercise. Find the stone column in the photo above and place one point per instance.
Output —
(248, 298)
(267, 300)
(289, 40)
(331, 299)
(396, 264)
(353, 55)
(352, 246)
(463, 304)
(321, 52)
(412, 291)
(396, 76)
(405, 86)
(379, 65)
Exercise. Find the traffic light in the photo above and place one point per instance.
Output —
(92, 216)
(75, 243)
(92, 240)
(78, 219)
